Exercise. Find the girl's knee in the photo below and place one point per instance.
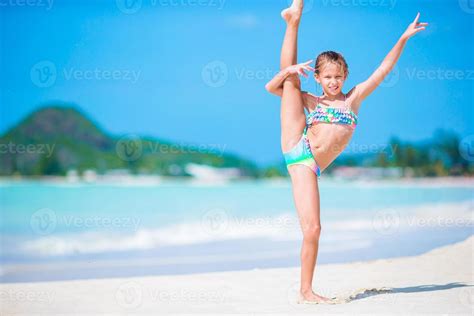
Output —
(312, 232)
(293, 81)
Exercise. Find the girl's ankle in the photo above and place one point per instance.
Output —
(306, 291)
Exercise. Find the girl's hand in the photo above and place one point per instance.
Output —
(414, 28)
(300, 69)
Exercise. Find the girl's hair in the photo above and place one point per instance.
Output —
(330, 57)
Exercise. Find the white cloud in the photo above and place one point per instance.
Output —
(243, 21)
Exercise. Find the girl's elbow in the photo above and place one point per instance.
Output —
(268, 88)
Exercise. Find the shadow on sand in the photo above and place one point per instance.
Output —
(368, 292)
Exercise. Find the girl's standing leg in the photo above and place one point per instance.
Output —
(304, 181)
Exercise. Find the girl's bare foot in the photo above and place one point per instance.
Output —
(293, 13)
(313, 298)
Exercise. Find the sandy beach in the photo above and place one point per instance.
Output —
(437, 282)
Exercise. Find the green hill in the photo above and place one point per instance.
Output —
(55, 139)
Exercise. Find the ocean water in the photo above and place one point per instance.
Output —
(55, 231)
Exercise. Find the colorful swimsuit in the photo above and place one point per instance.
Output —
(301, 153)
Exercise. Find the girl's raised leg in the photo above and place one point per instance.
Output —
(292, 16)
(304, 181)
(293, 119)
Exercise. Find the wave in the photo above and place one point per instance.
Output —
(217, 226)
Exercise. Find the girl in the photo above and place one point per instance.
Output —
(308, 145)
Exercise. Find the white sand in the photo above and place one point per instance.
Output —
(437, 282)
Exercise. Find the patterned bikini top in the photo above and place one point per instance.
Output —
(331, 115)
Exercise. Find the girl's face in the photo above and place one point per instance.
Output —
(331, 78)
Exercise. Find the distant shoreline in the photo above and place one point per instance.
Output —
(156, 180)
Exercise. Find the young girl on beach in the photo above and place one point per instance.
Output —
(310, 144)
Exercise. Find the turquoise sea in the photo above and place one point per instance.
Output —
(55, 230)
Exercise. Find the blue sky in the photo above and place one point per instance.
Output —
(194, 71)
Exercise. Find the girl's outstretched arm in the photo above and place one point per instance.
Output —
(365, 88)
(275, 86)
